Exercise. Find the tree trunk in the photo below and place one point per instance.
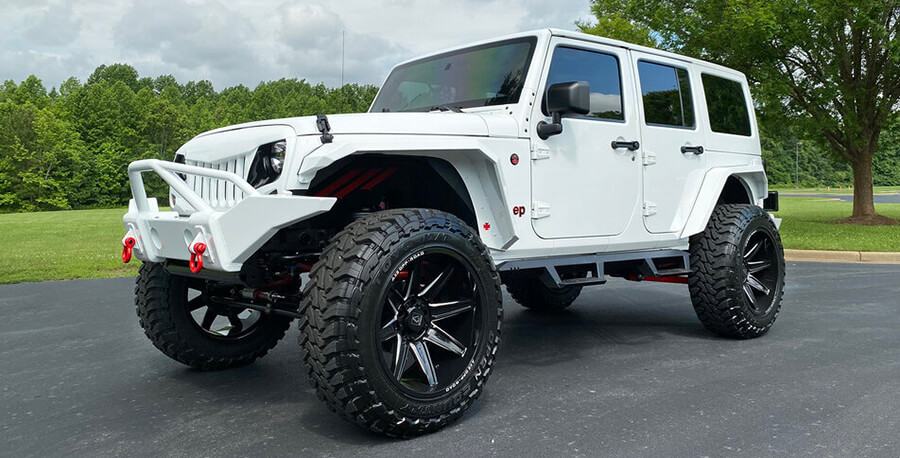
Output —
(863, 193)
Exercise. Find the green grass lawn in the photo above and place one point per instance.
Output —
(807, 225)
(788, 189)
(88, 243)
(62, 245)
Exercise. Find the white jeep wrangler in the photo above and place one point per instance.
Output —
(545, 161)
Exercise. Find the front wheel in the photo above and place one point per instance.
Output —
(401, 320)
(183, 320)
(737, 272)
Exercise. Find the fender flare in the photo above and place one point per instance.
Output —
(478, 169)
(753, 178)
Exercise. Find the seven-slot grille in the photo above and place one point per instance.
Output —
(220, 193)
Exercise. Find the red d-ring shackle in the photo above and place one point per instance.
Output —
(128, 244)
(196, 262)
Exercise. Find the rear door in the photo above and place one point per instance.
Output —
(671, 139)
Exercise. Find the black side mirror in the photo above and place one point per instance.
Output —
(563, 100)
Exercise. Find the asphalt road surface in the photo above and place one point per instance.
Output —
(629, 371)
(879, 198)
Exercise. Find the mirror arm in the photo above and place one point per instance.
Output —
(546, 130)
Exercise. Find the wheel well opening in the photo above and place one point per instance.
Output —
(373, 182)
(734, 192)
(363, 184)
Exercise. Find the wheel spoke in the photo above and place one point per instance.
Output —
(444, 340)
(208, 319)
(394, 299)
(752, 251)
(443, 310)
(237, 325)
(424, 358)
(757, 266)
(196, 303)
(401, 357)
(389, 330)
(754, 283)
(749, 293)
(434, 288)
(412, 286)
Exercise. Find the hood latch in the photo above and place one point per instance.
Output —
(325, 127)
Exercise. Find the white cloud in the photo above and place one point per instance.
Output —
(247, 41)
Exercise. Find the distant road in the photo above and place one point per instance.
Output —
(627, 371)
(879, 198)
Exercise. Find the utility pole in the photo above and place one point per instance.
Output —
(342, 58)
(797, 165)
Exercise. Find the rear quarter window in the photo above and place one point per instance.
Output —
(727, 105)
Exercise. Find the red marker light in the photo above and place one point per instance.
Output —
(514, 159)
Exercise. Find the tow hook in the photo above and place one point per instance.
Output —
(196, 263)
(127, 246)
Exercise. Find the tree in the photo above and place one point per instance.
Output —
(832, 67)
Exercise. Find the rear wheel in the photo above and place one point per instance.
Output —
(737, 278)
(532, 293)
(183, 320)
(401, 320)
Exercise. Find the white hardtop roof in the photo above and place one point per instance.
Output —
(547, 33)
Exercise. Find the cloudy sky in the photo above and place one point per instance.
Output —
(246, 41)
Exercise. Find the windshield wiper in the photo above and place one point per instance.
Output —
(445, 108)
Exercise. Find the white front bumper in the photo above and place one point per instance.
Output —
(231, 235)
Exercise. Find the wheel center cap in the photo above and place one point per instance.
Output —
(417, 319)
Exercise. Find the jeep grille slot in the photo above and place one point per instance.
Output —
(219, 193)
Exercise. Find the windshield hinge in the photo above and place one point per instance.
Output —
(325, 127)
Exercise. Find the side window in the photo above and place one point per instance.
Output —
(666, 92)
(727, 106)
(600, 70)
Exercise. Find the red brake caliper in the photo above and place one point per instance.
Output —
(196, 262)
(128, 244)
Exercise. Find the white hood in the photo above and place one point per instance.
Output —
(434, 123)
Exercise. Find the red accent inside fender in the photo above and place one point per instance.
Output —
(326, 191)
(357, 183)
(383, 176)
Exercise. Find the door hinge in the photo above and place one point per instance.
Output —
(649, 208)
(540, 210)
(540, 153)
(649, 158)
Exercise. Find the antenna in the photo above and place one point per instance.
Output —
(342, 57)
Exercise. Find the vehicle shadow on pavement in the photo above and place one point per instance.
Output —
(597, 326)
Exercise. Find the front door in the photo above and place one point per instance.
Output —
(582, 184)
(674, 163)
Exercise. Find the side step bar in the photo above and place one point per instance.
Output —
(592, 269)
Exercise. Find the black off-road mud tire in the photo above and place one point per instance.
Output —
(339, 320)
(161, 300)
(533, 294)
(721, 267)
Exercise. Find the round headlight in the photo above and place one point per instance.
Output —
(276, 160)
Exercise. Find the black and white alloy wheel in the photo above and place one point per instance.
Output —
(761, 271)
(400, 321)
(430, 326)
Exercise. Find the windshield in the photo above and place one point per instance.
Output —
(491, 74)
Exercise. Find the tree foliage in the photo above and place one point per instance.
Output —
(829, 68)
(70, 148)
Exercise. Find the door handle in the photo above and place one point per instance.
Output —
(630, 146)
(692, 149)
